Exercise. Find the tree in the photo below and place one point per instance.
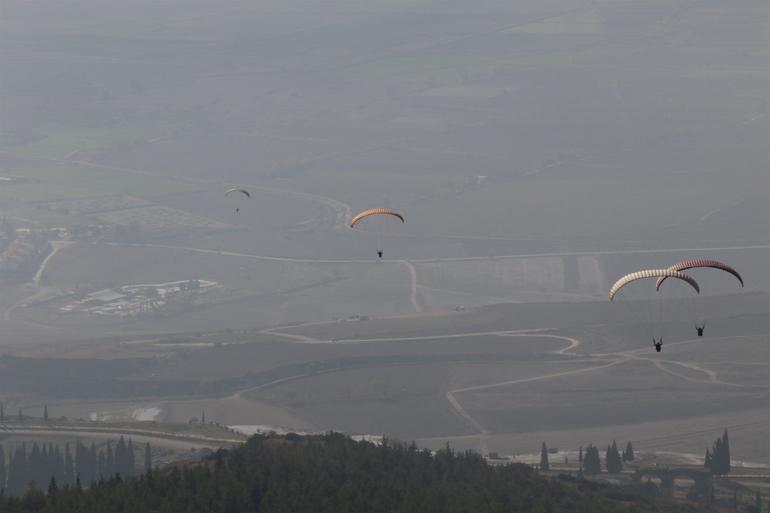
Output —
(147, 458)
(718, 461)
(629, 453)
(592, 464)
(121, 458)
(612, 459)
(203, 417)
(20, 417)
(2, 468)
(52, 486)
(544, 465)
(130, 461)
(580, 461)
(45, 413)
(69, 468)
(726, 459)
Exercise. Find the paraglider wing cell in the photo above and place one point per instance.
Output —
(651, 273)
(700, 262)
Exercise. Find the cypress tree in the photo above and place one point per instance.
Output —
(110, 462)
(69, 467)
(131, 462)
(580, 461)
(52, 486)
(544, 465)
(2, 413)
(45, 413)
(592, 464)
(147, 457)
(93, 464)
(101, 466)
(17, 471)
(726, 460)
(630, 456)
(80, 461)
(58, 462)
(714, 461)
(34, 465)
(758, 503)
(2, 468)
(612, 458)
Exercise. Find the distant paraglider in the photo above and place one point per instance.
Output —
(699, 262)
(373, 212)
(376, 212)
(651, 273)
(239, 190)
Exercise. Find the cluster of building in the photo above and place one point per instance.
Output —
(138, 300)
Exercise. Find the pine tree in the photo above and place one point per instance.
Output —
(725, 460)
(20, 417)
(592, 464)
(147, 458)
(69, 467)
(203, 417)
(544, 465)
(719, 459)
(45, 413)
(101, 466)
(2, 468)
(52, 486)
(93, 464)
(2, 413)
(34, 465)
(18, 475)
(580, 461)
(110, 462)
(707, 462)
(612, 459)
(758, 503)
(630, 456)
(120, 457)
(131, 462)
(59, 469)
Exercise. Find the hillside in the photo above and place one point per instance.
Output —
(332, 473)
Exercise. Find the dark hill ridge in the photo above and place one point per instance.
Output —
(333, 474)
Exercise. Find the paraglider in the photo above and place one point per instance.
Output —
(700, 263)
(376, 212)
(651, 273)
(239, 190)
(658, 344)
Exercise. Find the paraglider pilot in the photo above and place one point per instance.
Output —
(657, 343)
(700, 329)
(379, 253)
